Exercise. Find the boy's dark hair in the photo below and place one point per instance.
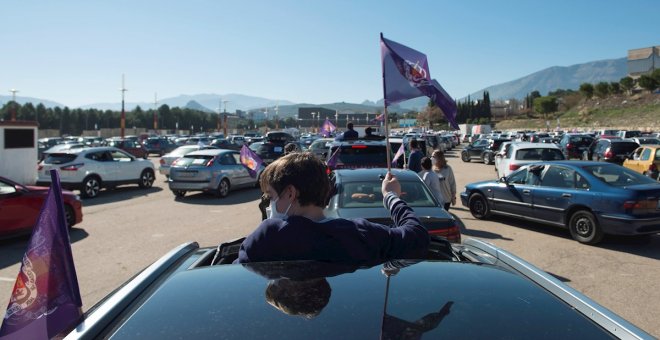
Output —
(302, 298)
(349, 126)
(303, 171)
(289, 148)
(414, 144)
(426, 163)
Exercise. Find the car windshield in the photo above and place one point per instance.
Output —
(368, 195)
(618, 176)
(539, 154)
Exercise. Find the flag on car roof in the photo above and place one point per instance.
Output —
(398, 154)
(327, 128)
(45, 300)
(251, 161)
(379, 118)
(332, 161)
(406, 76)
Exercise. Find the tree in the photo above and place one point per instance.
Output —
(602, 89)
(656, 75)
(545, 105)
(647, 82)
(627, 84)
(587, 90)
(615, 88)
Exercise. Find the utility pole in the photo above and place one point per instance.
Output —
(217, 127)
(224, 130)
(156, 111)
(13, 99)
(122, 124)
(277, 116)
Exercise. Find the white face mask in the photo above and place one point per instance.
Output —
(272, 210)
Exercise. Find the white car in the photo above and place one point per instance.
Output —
(522, 153)
(501, 152)
(91, 169)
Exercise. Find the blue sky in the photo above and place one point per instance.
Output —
(74, 52)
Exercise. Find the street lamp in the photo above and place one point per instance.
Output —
(312, 124)
(13, 99)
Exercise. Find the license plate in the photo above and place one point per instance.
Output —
(187, 174)
(277, 149)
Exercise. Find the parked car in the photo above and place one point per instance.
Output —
(646, 140)
(483, 150)
(613, 150)
(522, 153)
(197, 292)
(167, 159)
(91, 169)
(129, 145)
(590, 199)
(645, 160)
(574, 145)
(320, 147)
(273, 146)
(20, 206)
(501, 152)
(358, 195)
(225, 144)
(61, 148)
(159, 146)
(216, 171)
(358, 154)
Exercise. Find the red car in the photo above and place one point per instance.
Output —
(130, 146)
(20, 206)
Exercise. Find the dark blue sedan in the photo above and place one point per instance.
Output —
(589, 198)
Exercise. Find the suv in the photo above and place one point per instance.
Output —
(273, 146)
(573, 145)
(91, 169)
(523, 153)
(483, 150)
(357, 154)
(613, 150)
(158, 146)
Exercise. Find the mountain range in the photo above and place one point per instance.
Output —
(549, 79)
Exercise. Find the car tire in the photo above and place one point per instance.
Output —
(145, 155)
(465, 157)
(584, 227)
(223, 188)
(91, 186)
(146, 179)
(69, 216)
(487, 158)
(479, 206)
(179, 193)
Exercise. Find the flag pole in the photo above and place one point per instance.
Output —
(387, 128)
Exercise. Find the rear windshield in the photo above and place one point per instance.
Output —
(362, 154)
(539, 154)
(182, 151)
(193, 160)
(581, 140)
(368, 195)
(60, 158)
(618, 176)
(624, 147)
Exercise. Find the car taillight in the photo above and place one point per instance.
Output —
(452, 234)
(513, 167)
(569, 146)
(39, 167)
(651, 204)
(609, 153)
(358, 146)
(162, 161)
(72, 167)
(652, 167)
(327, 170)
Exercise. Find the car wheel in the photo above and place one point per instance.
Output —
(90, 187)
(487, 158)
(145, 155)
(584, 228)
(479, 206)
(69, 216)
(146, 179)
(179, 193)
(223, 188)
(465, 157)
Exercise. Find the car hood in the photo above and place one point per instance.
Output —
(295, 300)
(382, 215)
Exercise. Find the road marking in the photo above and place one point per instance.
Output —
(7, 279)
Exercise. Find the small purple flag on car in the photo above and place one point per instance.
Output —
(46, 298)
(251, 161)
(332, 161)
(379, 118)
(398, 154)
(406, 76)
(327, 128)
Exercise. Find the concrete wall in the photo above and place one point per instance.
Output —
(19, 165)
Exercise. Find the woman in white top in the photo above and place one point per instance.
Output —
(446, 178)
(431, 180)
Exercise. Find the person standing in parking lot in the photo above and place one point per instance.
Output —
(445, 177)
(297, 229)
(431, 179)
(415, 157)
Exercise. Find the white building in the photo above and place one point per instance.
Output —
(18, 151)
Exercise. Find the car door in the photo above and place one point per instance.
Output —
(477, 148)
(18, 208)
(126, 168)
(555, 193)
(634, 163)
(515, 196)
(503, 165)
(231, 169)
(242, 171)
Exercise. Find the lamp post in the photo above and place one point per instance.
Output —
(13, 99)
(122, 124)
(313, 116)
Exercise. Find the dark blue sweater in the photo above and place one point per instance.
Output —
(338, 240)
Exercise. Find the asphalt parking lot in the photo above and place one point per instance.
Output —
(126, 229)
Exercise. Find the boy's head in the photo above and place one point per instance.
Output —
(303, 172)
(426, 163)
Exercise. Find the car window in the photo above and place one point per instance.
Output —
(657, 155)
(537, 154)
(368, 195)
(558, 177)
(646, 155)
(119, 156)
(6, 188)
(581, 182)
(618, 176)
(237, 158)
(227, 159)
(519, 177)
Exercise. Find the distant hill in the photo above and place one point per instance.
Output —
(34, 101)
(559, 77)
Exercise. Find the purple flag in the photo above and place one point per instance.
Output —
(398, 154)
(251, 160)
(332, 162)
(406, 76)
(46, 298)
(327, 128)
(379, 118)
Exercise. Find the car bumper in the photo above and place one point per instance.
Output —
(627, 225)
(164, 170)
(64, 185)
(190, 186)
(464, 198)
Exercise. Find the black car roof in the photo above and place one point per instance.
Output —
(359, 142)
(358, 175)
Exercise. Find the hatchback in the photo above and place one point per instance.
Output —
(613, 150)
(167, 159)
(215, 171)
(645, 160)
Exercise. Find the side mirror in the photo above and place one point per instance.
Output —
(504, 180)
